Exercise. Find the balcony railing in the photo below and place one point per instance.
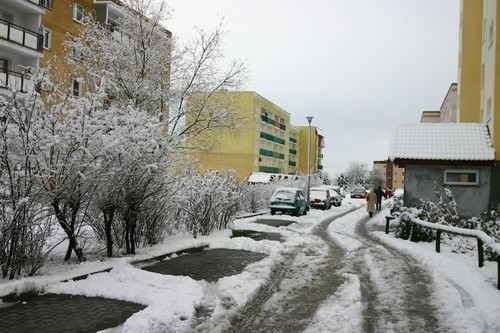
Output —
(14, 80)
(269, 169)
(275, 123)
(268, 153)
(42, 3)
(20, 35)
(272, 138)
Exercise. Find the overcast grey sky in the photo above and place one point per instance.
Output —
(357, 66)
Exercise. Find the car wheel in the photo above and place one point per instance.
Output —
(273, 212)
(297, 211)
(305, 211)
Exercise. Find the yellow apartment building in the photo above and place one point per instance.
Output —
(264, 142)
(479, 73)
(316, 144)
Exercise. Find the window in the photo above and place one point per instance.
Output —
(484, 30)
(461, 177)
(78, 12)
(47, 36)
(4, 63)
(6, 16)
(488, 111)
(490, 34)
(76, 51)
(76, 87)
(46, 3)
(482, 75)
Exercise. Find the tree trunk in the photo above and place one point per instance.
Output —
(73, 243)
(108, 222)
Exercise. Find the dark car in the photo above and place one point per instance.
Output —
(359, 193)
(288, 200)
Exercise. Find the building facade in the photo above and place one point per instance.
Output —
(34, 33)
(448, 110)
(21, 41)
(479, 74)
(313, 137)
(264, 142)
(430, 117)
(391, 173)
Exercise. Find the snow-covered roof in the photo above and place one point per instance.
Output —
(441, 141)
(263, 177)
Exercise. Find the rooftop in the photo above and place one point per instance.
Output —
(441, 141)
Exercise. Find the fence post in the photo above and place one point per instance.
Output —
(480, 252)
(498, 271)
(387, 220)
(438, 241)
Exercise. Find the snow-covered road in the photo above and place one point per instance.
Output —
(319, 275)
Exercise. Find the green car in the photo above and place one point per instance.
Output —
(288, 200)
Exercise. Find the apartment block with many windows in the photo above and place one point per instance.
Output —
(265, 141)
(391, 173)
(20, 41)
(479, 73)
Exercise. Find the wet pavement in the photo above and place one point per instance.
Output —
(208, 265)
(64, 313)
(258, 235)
(70, 313)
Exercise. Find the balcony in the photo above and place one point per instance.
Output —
(42, 3)
(14, 80)
(272, 138)
(268, 153)
(21, 36)
(29, 6)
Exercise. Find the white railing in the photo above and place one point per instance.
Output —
(14, 81)
(20, 35)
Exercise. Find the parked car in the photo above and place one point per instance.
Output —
(335, 194)
(359, 193)
(288, 200)
(319, 197)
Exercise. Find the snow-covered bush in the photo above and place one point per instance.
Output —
(444, 212)
(207, 202)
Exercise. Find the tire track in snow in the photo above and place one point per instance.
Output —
(290, 307)
(395, 288)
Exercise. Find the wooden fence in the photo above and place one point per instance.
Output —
(482, 238)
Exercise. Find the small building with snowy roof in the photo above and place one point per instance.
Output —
(454, 155)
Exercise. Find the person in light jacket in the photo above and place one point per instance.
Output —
(371, 200)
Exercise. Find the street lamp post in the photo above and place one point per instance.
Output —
(309, 119)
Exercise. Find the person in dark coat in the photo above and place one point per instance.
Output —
(379, 193)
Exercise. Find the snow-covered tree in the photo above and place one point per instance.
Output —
(376, 178)
(356, 174)
(342, 182)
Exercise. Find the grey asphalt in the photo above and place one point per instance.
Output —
(64, 313)
(54, 313)
(69, 313)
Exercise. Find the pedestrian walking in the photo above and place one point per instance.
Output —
(371, 199)
(379, 193)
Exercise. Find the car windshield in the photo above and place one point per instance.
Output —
(283, 195)
(318, 194)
